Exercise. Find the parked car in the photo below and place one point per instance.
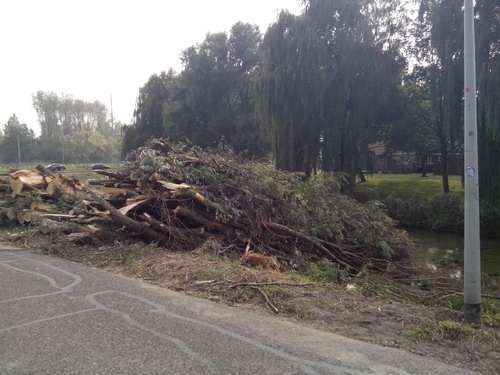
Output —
(55, 167)
(99, 166)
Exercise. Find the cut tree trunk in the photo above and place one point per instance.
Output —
(115, 176)
(45, 171)
(97, 181)
(35, 206)
(120, 185)
(19, 179)
(131, 224)
(58, 216)
(23, 216)
(185, 191)
(10, 213)
(197, 218)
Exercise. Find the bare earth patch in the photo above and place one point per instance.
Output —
(348, 310)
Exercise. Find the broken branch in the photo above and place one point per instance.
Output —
(128, 222)
(268, 301)
(304, 237)
(194, 216)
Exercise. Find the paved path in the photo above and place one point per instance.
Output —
(58, 317)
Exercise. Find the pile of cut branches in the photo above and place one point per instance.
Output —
(179, 196)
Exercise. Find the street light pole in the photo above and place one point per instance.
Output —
(112, 111)
(472, 251)
(18, 146)
(62, 148)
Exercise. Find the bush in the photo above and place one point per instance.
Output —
(490, 219)
(446, 213)
(443, 212)
(340, 219)
(326, 272)
(412, 213)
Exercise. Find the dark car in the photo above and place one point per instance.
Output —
(55, 167)
(99, 166)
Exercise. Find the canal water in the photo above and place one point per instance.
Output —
(437, 246)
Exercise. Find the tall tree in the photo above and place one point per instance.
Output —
(148, 113)
(214, 96)
(90, 147)
(488, 85)
(17, 142)
(46, 106)
(290, 89)
(61, 116)
(415, 132)
(439, 35)
(328, 87)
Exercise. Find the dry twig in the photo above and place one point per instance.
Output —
(268, 301)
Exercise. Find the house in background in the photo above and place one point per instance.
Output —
(400, 162)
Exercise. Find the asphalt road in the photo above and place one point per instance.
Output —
(59, 317)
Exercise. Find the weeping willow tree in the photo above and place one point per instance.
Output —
(440, 50)
(148, 113)
(326, 89)
(488, 85)
(290, 89)
(440, 34)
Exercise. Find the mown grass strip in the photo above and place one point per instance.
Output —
(404, 186)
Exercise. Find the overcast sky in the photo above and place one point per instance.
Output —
(92, 49)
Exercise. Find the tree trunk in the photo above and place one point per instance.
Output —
(194, 216)
(424, 166)
(133, 225)
(348, 153)
(45, 171)
(362, 177)
(444, 166)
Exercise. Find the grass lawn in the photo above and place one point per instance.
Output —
(81, 171)
(404, 185)
(78, 171)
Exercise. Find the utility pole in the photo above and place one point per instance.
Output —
(18, 146)
(472, 250)
(111, 110)
(62, 147)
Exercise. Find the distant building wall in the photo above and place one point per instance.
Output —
(412, 162)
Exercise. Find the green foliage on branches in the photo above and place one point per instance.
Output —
(326, 272)
(91, 147)
(16, 138)
(211, 98)
(443, 212)
(254, 193)
(439, 49)
(329, 82)
(328, 87)
(65, 119)
(488, 99)
(214, 97)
